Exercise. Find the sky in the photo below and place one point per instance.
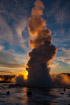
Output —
(14, 35)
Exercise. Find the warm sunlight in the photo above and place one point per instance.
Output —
(25, 73)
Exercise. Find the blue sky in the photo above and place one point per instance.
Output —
(14, 35)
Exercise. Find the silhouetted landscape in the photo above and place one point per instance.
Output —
(6, 78)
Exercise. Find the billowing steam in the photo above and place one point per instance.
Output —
(61, 80)
(43, 52)
(36, 71)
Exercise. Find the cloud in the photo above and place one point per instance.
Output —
(7, 35)
(14, 9)
(54, 64)
(6, 72)
(11, 65)
(20, 27)
(65, 57)
(61, 13)
(12, 59)
(1, 48)
(20, 58)
(5, 32)
(13, 21)
(63, 16)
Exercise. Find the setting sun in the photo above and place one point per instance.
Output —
(25, 74)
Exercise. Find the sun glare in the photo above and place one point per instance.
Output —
(25, 73)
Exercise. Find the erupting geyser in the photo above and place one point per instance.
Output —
(43, 52)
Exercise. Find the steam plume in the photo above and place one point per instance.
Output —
(43, 52)
(61, 80)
